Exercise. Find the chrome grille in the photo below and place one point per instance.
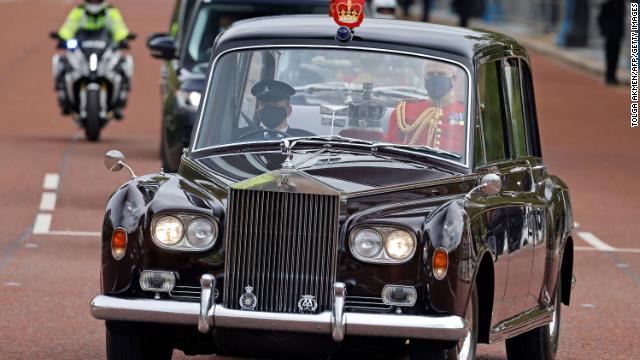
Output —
(284, 245)
(186, 292)
(367, 304)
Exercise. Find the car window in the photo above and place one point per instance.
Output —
(491, 112)
(366, 95)
(531, 118)
(212, 19)
(513, 90)
(254, 75)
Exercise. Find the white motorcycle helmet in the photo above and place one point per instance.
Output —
(385, 9)
(95, 7)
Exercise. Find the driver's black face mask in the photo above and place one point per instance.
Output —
(438, 85)
(272, 116)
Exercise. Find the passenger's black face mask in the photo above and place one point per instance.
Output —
(271, 116)
(438, 86)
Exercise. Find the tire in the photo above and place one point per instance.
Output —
(463, 350)
(540, 343)
(134, 341)
(93, 123)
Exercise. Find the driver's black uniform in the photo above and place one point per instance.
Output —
(273, 110)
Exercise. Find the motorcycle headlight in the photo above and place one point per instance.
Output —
(202, 233)
(400, 245)
(382, 245)
(367, 244)
(168, 231)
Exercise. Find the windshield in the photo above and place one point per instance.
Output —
(212, 19)
(269, 94)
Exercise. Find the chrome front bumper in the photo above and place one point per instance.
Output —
(208, 315)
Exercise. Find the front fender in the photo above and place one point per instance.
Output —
(448, 228)
(125, 209)
(131, 207)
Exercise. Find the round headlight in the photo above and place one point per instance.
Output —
(367, 243)
(399, 245)
(201, 233)
(168, 230)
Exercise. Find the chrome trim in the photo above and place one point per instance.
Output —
(269, 238)
(337, 316)
(519, 169)
(208, 282)
(449, 328)
(157, 311)
(470, 81)
(521, 323)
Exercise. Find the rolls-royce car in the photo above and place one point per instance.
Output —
(375, 192)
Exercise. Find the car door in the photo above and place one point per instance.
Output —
(527, 273)
(540, 231)
(507, 214)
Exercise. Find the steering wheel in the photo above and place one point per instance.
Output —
(267, 130)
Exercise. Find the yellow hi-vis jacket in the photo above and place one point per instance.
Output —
(78, 19)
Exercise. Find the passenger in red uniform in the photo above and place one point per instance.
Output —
(439, 121)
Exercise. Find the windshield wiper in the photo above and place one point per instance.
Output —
(416, 148)
(288, 143)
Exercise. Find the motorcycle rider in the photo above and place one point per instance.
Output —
(92, 15)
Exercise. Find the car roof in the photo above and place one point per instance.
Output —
(463, 42)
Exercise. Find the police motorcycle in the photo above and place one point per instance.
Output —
(92, 79)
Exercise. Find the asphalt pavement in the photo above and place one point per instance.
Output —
(53, 190)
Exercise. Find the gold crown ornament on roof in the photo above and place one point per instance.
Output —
(349, 13)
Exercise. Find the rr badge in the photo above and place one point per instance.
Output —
(248, 300)
(307, 304)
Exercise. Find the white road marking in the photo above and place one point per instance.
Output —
(42, 224)
(31, 246)
(12, 283)
(595, 242)
(587, 305)
(51, 181)
(71, 233)
(616, 250)
(622, 266)
(48, 201)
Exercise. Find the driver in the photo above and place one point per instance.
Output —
(437, 122)
(272, 112)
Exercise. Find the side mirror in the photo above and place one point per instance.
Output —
(162, 47)
(490, 184)
(155, 35)
(132, 36)
(54, 35)
(114, 161)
